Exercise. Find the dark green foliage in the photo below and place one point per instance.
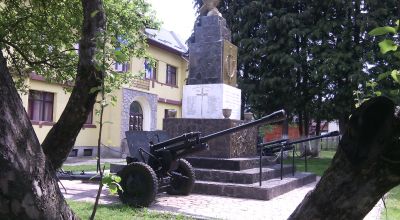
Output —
(42, 36)
(306, 56)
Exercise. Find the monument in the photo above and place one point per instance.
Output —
(211, 84)
(212, 87)
(231, 166)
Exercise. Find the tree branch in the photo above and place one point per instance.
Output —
(38, 62)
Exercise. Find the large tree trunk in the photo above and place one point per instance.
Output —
(365, 167)
(28, 189)
(61, 138)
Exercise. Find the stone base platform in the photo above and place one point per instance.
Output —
(248, 176)
(228, 163)
(269, 189)
(239, 177)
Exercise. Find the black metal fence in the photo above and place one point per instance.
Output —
(309, 146)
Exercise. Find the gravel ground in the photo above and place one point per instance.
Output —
(209, 207)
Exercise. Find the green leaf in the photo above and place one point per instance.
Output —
(112, 188)
(371, 84)
(397, 54)
(117, 179)
(396, 76)
(383, 75)
(382, 30)
(387, 45)
(119, 56)
(378, 93)
(106, 180)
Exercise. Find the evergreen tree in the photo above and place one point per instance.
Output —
(306, 56)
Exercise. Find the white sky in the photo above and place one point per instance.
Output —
(176, 15)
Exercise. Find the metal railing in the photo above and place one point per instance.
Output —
(278, 147)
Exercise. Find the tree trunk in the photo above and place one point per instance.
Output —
(61, 138)
(318, 126)
(301, 131)
(28, 189)
(365, 167)
(343, 120)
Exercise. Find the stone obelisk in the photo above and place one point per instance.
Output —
(211, 84)
(211, 87)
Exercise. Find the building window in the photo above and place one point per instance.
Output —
(135, 117)
(73, 153)
(87, 152)
(89, 119)
(149, 70)
(40, 106)
(121, 67)
(169, 113)
(171, 75)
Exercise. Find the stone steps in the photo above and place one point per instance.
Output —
(270, 188)
(247, 176)
(228, 163)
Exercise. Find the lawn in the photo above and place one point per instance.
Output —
(117, 212)
(392, 205)
(88, 167)
(314, 165)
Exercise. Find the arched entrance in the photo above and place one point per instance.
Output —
(135, 117)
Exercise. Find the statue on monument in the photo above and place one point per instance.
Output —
(209, 8)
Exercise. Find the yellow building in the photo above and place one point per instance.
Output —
(141, 105)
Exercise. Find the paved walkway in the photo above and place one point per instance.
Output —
(210, 207)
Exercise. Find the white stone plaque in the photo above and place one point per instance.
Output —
(208, 100)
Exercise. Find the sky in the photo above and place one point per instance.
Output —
(176, 15)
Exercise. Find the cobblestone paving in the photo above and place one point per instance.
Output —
(210, 207)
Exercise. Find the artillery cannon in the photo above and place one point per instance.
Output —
(159, 165)
(279, 146)
(285, 144)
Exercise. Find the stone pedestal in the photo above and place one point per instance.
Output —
(238, 144)
(212, 57)
(208, 100)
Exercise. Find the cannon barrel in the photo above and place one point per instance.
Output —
(271, 118)
(285, 142)
(276, 142)
(330, 134)
(174, 141)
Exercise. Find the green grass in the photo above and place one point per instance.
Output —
(392, 205)
(89, 167)
(117, 212)
(314, 165)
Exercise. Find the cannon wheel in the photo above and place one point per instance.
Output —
(139, 184)
(179, 185)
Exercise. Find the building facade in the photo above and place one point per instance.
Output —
(141, 104)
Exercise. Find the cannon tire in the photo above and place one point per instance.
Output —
(179, 186)
(139, 184)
